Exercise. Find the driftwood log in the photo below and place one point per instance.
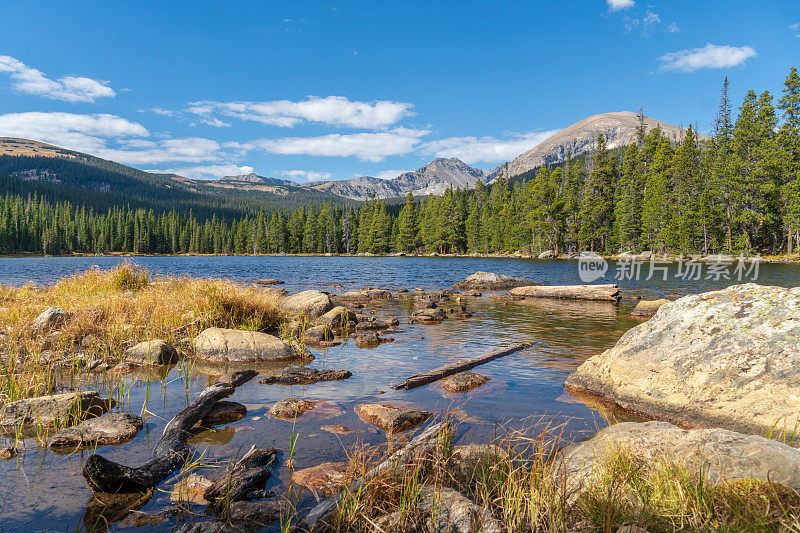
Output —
(429, 376)
(171, 451)
(316, 519)
(250, 473)
(608, 292)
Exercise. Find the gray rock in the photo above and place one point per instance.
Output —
(470, 459)
(369, 339)
(338, 317)
(268, 281)
(68, 408)
(230, 345)
(113, 428)
(452, 512)
(371, 325)
(367, 294)
(728, 358)
(310, 304)
(463, 382)
(547, 254)
(223, 412)
(389, 418)
(723, 455)
(428, 315)
(317, 334)
(155, 352)
(259, 513)
(51, 318)
(647, 308)
(489, 281)
(304, 376)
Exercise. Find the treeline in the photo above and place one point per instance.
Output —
(737, 191)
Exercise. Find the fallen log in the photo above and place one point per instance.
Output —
(171, 451)
(429, 376)
(315, 520)
(608, 292)
(250, 473)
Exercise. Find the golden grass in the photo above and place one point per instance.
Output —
(111, 310)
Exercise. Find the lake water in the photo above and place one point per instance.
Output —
(46, 492)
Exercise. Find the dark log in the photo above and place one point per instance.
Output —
(171, 451)
(429, 376)
(250, 473)
(316, 519)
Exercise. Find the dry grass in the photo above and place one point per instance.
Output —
(516, 483)
(111, 310)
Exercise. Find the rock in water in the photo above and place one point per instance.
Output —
(428, 315)
(304, 376)
(268, 281)
(728, 358)
(489, 281)
(113, 428)
(310, 304)
(317, 334)
(155, 352)
(463, 382)
(338, 317)
(389, 418)
(51, 318)
(291, 408)
(609, 292)
(368, 294)
(324, 478)
(234, 345)
(647, 308)
(723, 455)
(224, 412)
(68, 409)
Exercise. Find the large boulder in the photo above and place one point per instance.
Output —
(154, 352)
(389, 418)
(728, 358)
(310, 304)
(720, 454)
(338, 317)
(113, 428)
(234, 345)
(50, 318)
(489, 281)
(68, 408)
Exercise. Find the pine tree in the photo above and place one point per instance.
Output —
(597, 208)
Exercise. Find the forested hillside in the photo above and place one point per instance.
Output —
(739, 191)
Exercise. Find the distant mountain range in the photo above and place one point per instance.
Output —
(47, 166)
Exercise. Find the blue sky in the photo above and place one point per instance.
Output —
(332, 90)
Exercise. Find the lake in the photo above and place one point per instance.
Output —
(46, 492)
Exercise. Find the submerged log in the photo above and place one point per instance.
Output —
(429, 376)
(315, 520)
(170, 452)
(608, 292)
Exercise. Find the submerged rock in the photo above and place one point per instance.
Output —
(325, 478)
(68, 408)
(648, 307)
(452, 512)
(337, 429)
(338, 317)
(155, 352)
(51, 318)
(389, 418)
(464, 382)
(721, 454)
(8, 452)
(224, 412)
(304, 376)
(231, 345)
(310, 304)
(113, 428)
(192, 488)
(728, 358)
(291, 408)
(489, 281)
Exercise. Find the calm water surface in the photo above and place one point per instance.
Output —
(46, 492)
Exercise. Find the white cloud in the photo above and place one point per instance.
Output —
(388, 174)
(795, 28)
(616, 5)
(710, 56)
(331, 110)
(69, 88)
(486, 149)
(162, 111)
(372, 147)
(304, 175)
(202, 172)
(673, 28)
(93, 133)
